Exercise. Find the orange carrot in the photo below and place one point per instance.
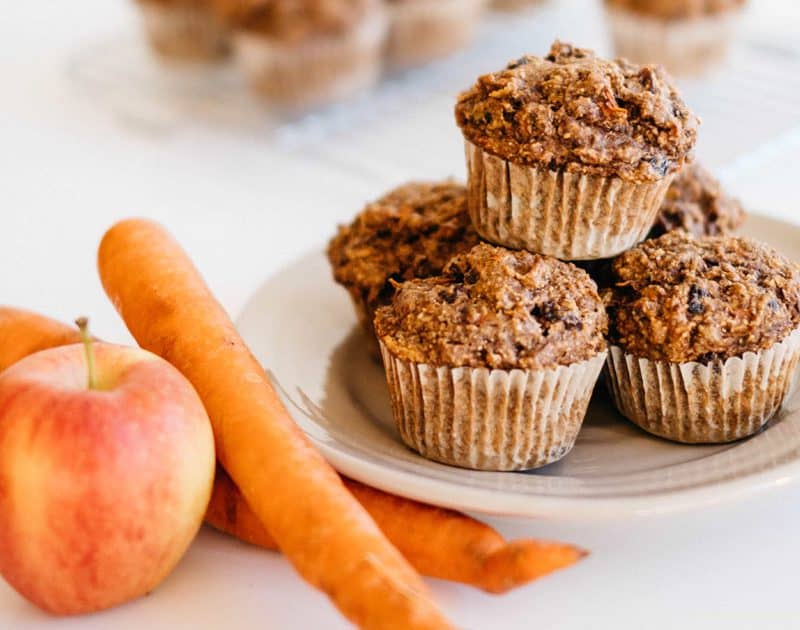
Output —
(296, 495)
(437, 542)
(23, 333)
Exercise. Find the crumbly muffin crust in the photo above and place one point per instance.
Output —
(676, 9)
(679, 299)
(409, 233)
(295, 21)
(696, 203)
(575, 111)
(496, 308)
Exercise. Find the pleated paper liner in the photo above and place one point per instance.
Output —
(696, 403)
(570, 216)
(316, 72)
(684, 47)
(187, 33)
(487, 419)
(421, 30)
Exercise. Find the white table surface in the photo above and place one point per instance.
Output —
(70, 167)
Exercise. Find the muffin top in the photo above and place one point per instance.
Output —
(496, 308)
(676, 9)
(678, 299)
(294, 21)
(574, 111)
(696, 203)
(410, 233)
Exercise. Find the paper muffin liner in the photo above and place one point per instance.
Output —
(571, 216)
(315, 72)
(487, 419)
(421, 30)
(685, 47)
(695, 403)
(189, 33)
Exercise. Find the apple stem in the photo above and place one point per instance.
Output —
(83, 325)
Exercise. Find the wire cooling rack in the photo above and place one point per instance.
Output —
(404, 128)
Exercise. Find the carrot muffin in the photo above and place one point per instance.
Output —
(687, 36)
(491, 364)
(409, 233)
(306, 53)
(696, 203)
(515, 5)
(185, 30)
(704, 333)
(571, 155)
(423, 30)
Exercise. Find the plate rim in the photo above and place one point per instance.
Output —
(450, 494)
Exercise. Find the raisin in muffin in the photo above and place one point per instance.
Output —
(571, 155)
(696, 203)
(409, 233)
(704, 333)
(305, 53)
(491, 364)
(423, 30)
(687, 36)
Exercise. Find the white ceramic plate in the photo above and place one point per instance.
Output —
(302, 327)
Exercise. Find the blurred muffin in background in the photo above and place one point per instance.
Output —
(515, 5)
(687, 36)
(422, 30)
(300, 54)
(696, 203)
(185, 30)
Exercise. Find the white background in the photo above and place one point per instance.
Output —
(71, 164)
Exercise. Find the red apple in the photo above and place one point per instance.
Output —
(103, 484)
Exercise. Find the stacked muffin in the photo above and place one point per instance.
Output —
(492, 349)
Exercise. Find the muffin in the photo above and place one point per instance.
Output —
(409, 233)
(696, 203)
(423, 30)
(704, 334)
(571, 155)
(300, 54)
(185, 30)
(491, 364)
(515, 5)
(687, 36)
